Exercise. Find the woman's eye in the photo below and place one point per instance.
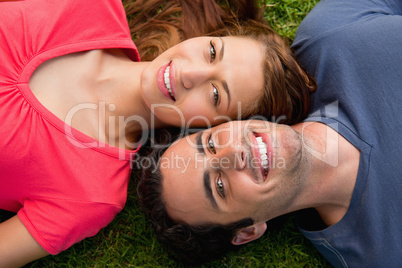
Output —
(219, 187)
(212, 51)
(211, 145)
(216, 95)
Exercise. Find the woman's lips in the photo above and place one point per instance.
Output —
(166, 81)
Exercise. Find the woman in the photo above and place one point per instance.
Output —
(75, 103)
(287, 87)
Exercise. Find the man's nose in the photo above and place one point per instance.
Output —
(233, 156)
(196, 75)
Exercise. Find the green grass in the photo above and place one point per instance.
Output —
(286, 15)
(129, 242)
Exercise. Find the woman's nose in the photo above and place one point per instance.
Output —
(196, 75)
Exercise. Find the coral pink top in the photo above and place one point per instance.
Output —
(64, 185)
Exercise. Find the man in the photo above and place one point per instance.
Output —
(342, 166)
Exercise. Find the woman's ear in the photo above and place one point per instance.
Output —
(249, 233)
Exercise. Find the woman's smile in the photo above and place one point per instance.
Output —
(166, 81)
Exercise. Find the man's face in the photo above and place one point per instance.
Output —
(233, 171)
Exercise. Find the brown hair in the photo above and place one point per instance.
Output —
(158, 25)
(286, 96)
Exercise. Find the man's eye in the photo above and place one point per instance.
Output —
(212, 51)
(216, 95)
(219, 187)
(211, 145)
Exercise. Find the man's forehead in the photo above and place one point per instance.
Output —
(179, 157)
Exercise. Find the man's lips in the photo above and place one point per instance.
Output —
(262, 151)
(166, 81)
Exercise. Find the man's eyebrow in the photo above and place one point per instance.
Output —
(208, 190)
(206, 176)
(198, 140)
(224, 83)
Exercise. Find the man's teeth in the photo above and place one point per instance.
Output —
(167, 81)
(263, 152)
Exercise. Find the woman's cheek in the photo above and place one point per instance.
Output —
(197, 115)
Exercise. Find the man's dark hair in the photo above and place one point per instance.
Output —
(188, 244)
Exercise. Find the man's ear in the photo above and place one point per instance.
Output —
(249, 233)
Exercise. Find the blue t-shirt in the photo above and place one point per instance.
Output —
(354, 49)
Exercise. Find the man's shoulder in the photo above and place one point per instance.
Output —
(331, 18)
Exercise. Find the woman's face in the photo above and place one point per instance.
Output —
(204, 81)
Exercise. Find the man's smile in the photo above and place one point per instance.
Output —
(262, 152)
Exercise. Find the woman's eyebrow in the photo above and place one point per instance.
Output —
(224, 83)
(226, 88)
(222, 49)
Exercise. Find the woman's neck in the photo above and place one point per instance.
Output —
(97, 92)
(125, 117)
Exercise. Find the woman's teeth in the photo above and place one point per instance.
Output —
(167, 82)
(263, 154)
